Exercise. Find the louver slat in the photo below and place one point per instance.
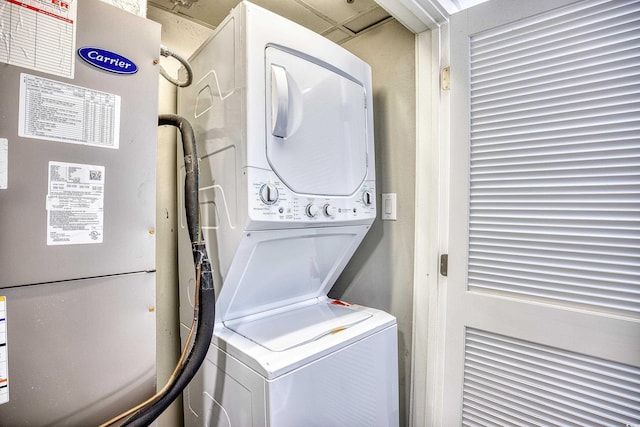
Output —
(513, 382)
(555, 158)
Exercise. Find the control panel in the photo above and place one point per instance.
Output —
(271, 200)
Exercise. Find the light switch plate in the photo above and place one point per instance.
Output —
(388, 206)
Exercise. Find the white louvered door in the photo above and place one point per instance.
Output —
(543, 295)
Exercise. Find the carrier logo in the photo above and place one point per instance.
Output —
(107, 60)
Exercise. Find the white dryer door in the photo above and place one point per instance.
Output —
(316, 125)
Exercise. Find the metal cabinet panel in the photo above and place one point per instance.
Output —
(129, 190)
(80, 352)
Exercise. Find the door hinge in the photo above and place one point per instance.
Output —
(445, 78)
(444, 264)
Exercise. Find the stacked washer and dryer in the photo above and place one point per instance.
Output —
(284, 124)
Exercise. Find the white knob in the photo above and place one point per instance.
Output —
(329, 210)
(367, 198)
(269, 194)
(312, 210)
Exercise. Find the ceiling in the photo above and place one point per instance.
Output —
(337, 20)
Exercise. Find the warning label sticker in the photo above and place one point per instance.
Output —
(58, 111)
(39, 34)
(75, 204)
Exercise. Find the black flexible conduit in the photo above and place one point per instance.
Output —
(206, 305)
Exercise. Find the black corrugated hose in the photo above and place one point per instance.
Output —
(206, 298)
(191, 169)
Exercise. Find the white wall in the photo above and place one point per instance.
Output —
(380, 274)
(137, 7)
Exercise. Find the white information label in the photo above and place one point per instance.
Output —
(4, 163)
(39, 34)
(58, 111)
(75, 204)
(4, 353)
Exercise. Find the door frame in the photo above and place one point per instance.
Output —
(431, 227)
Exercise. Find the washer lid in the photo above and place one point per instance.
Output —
(316, 124)
(276, 268)
(299, 326)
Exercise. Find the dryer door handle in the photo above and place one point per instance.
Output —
(279, 101)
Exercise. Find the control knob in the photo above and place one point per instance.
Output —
(329, 210)
(367, 198)
(269, 194)
(312, 210)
